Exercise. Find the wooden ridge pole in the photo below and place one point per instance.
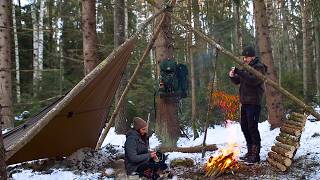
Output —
(125, 91)
(238, 61)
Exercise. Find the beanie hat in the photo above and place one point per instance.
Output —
(139, 123)
(249, 51)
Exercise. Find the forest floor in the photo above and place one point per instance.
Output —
(108, 163)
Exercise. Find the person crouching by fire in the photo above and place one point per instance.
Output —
(251, 91)
(138, 159)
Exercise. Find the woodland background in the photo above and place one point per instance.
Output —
(47, 59)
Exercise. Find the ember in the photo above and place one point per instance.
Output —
(223, 163)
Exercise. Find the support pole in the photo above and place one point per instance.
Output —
(125, 91)
(238, 61)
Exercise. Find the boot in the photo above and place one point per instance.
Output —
(255, 155)
(249, 151)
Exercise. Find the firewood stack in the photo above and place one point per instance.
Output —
(288, 142)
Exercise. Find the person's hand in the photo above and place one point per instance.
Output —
(231, 72)
(154, 156)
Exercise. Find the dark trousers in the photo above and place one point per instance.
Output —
(249, 123)
(150, 169)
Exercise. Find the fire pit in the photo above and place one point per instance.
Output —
(225, 162)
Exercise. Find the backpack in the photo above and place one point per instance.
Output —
(173, 79)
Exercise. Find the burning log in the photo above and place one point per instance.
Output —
(294, 123)
(282, 151)
(287, 141)
(277, 164)
(286, 146)
(290, 131)
(219, 165)
(283, 160)
(195, 149)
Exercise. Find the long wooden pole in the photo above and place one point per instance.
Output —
(209, 103)
(125, 91)
(238, 61)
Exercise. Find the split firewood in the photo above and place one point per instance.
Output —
(292, 126)
(294, 123)
(276, 164)
(287, 141)
(286, 146)
(283, 160)
(282, 151)
(290, 131)
(301, 116)
(195, 149)
(289, 137)
(297, 119)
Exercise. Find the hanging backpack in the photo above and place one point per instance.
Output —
(173, 79)
(182, 75)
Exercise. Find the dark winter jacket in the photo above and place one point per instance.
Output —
(251, 88)
(136, 151)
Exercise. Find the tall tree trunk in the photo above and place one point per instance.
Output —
(317, 48)
(288, 59)
(89, 35)
(16, 52)
(307, 50)
(60, 41)
(237, 23)
(3, 167)
(41, 43)
(50, 7)
(167, 126)
(35, 28)
(273, 97)
(193, 85)
(5, 64)
(199, 43)
(121, 125)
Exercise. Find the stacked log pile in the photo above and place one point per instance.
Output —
(288, 142)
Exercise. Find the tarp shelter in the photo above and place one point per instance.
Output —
(74, 121)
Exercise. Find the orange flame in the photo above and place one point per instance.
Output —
(226, 161)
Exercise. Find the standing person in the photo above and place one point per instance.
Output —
(251, 91)
(138, 158)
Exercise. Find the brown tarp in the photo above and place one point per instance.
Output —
(74, 121)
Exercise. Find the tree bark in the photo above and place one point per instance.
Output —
(273, 97)
(199, 43)
(5, 64)
(35, 37)
(317, 49)
(192, 74)
(283, 160)
(238, 34)
(277, 164)
(5, 78)
(121, 125)
(293, 132)
(195, 149)
(41, 42)
(167, 126)
(89, 35)
(16, 53)
(307, 51)
(283, 152)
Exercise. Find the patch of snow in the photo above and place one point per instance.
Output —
(57, 174)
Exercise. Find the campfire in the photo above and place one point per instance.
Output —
(225, 162)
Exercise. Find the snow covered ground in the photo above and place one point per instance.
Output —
(221, 136)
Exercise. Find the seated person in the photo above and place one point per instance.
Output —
(138, 159)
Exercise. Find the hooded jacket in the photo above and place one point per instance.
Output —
(251, 87)
(136, 151)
